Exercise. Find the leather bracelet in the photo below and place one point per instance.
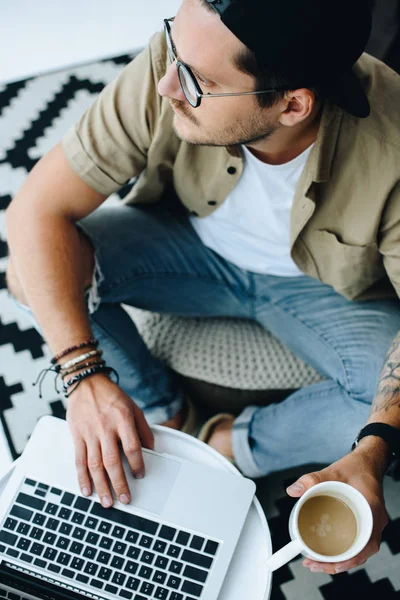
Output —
(87, 374)
(92, 342)
(77, 367)
(78, 359)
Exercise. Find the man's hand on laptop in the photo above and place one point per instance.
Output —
(365, 474)
(103, 420)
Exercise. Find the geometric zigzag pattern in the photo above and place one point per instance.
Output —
(34, 115)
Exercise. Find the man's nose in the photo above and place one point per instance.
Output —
(169, 86)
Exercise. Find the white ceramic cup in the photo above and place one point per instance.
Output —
(354, 500)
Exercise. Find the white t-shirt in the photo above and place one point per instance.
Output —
(251, 229)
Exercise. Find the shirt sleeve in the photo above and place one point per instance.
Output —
(389, 244)
(108, 146)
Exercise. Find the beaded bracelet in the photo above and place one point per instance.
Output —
(89, 374)
(78, 359)
(92, 342)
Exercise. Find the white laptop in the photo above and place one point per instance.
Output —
(174, 541)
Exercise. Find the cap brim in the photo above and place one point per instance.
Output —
(348, 93)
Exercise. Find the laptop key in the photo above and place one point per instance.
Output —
(106, 542)
(64, 513)
(199, 560)
(145, 572)
(161, 562)
(10, 524)
(147, 557)
(40, 493)
(24, 543)
(54, 568)
(43, 486)
(132, 537)
(192, 588)
(52, 523)
(12, 552)
(90, 552)
(63, 543)
(174, 551)
(119, 548)
(82, 578)
(111, 589)
(39, 519)
(132, 583)
(40, 563)
(175, 567)
(159, 546)
(147, 588)
(68, 573)
(211, 547)
(197, 542)
(82, 504)
(65, 528)
(118, 578)
(78, 533)
(30, 501)
(183, 538)
(117, 562)
(77, 564)
(50, 554)
(51, 509)
(159, 577)
(23, 528)
(124, 518)
(49, 538)
(125, 594)
(176, 596)
(196, 574)
(67, 499)
(30, 482)
(97, 584)
(105, 573)
(8, 538)
(64, 558)
(133, 552)
(78, 518)
(76, 548)
(167, 533)
(37, 549)
(91, 568)
(56, 491)
(118, 532)
(104, 527)
(92, 538)
(161, 593)
(21, 513)
(104, 558)
(91, 523)
(174, 582)
(26, 557)
(145, 541)
(131, 567)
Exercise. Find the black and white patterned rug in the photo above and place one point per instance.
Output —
(34, 115)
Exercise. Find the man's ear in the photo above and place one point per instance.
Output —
(299, 106)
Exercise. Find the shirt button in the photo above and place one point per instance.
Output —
(231, 170)
(212, 203)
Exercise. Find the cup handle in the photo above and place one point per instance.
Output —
(284, 555)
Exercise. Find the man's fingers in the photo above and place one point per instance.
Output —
(112, 461)
(97, 471)
(81, 467)
(143, 428)
(132, 449)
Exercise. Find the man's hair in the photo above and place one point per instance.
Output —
(265, 78)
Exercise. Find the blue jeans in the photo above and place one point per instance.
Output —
(151, 258)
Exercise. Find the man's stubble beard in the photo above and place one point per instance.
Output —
(256, 130)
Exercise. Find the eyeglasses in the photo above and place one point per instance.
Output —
(190, 86)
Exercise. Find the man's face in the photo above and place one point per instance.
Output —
(204, 43)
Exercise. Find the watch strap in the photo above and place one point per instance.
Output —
(391, 435)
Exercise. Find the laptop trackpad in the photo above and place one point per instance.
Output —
(152, 492)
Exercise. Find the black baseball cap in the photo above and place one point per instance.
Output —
(311, 42)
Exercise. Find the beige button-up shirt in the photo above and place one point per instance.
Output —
(345, 222)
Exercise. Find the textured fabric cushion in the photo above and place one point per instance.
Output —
(228, 352)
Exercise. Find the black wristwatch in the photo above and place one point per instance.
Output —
(391, 435)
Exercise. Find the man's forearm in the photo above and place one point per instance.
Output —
(386, 404)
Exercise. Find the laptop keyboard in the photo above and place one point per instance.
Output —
(107, 549)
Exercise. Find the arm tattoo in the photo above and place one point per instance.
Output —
(388, 393)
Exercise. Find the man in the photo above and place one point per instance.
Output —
(285, 163)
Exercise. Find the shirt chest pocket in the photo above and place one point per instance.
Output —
(344, 266)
